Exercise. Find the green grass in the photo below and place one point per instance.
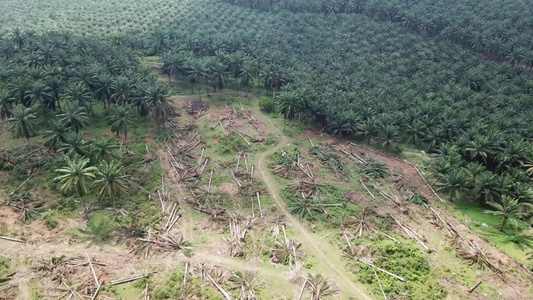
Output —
(508, 241)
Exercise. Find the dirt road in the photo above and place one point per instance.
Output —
(328, 255)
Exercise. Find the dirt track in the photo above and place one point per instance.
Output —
(328, 255)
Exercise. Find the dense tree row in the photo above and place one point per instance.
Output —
(501, 29)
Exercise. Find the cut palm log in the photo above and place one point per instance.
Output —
(130, 279)
(226, 295)
(11, 239)
(380, 269)
(475, 286)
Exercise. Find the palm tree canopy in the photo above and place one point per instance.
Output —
(74, 175)
(23, 121)
(110, 180)
(74, 117)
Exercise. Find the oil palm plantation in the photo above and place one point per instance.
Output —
(74, 176)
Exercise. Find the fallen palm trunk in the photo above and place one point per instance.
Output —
(237, 180)
(97, 291)
(226, 295)
(201, 171)
(83, 263)
(18, 187)
(194, 136)
(351, 156)
(11, 239)
(410, 233)
(475, 286)
(473, 248)
(248, 143)
(223, 130)
(302, 290)
(366, 188)
(427, 183)
(132, 278)
(380, 269)
(193, 146)
(259, 202)
(439, 218)
(379, 282)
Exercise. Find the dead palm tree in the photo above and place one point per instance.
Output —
(360, 223)
(245, 281)
(320, 287)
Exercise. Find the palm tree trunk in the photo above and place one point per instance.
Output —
(85, 208)
(452, 191)
(505, 218)
(113, 200)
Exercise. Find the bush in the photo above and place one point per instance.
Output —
(50, 221)
(266, 104)
(5, 166)
(230, 144)
(171, 288)
(407, 261)
(101, 226)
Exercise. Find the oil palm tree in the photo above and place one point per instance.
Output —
(196, 72)
(509, 208)
(121, 89)
(55, 135)
(74, 117)
(390, 137)
(487, 187)
(6, 103)
(17, 87)
(369, 129)
(218, 75)
(103, 148)
(247, 75)
(287, 104)
(103, 84)
(120, 119)
(74, 176)
(73, 144)
(39, 93)
(454, 181)
(156, 96)
(78, 93)
(23, 121)
(110, 181)
(416, 132)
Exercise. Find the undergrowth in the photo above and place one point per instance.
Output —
(404, 260)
